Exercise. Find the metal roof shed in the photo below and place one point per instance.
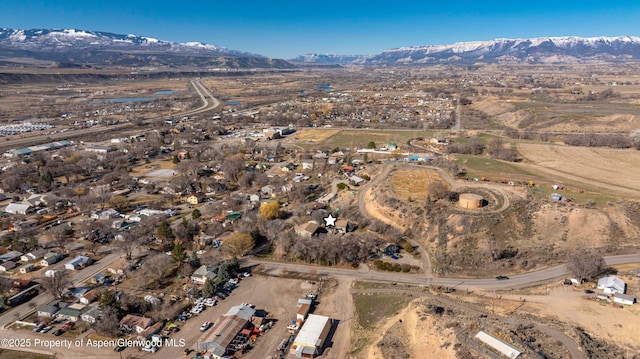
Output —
(504, 348)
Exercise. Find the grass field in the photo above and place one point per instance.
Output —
(413, 183)
(354, 138)
(478, 167)
(611, 172)
(372, 308)
(315, 135)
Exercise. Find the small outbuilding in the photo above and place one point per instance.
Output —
(502, 347)
(624, 299)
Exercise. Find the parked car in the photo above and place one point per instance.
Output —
(206, 325)
(58, 332)
(39, 327)
(502, 277)
(150, 348)
(46, 329)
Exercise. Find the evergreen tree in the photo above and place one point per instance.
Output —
(208, 289)
(178, 252)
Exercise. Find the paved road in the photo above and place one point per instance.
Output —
(515, 282)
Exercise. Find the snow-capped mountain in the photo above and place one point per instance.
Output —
(568, 49)
(104, 48)
(329, 59)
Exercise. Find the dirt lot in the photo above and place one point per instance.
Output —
(278, 297)
(608, 170)
(413, 183)
(552, 321)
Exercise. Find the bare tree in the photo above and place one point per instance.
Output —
(585, 264)
(57, 283)
(437, 190)
(126, 244)
(59, 236)
(109, 323)
(155, 268)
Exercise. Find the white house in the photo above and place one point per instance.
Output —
(18, 208)
(78, 262)
(34, 255)
(612, 285)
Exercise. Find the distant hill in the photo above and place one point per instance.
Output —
(68, 48)
(328, 59)
(561, 50)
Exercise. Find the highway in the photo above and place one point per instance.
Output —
(487, 284)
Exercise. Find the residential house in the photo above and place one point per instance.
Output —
(344, 226)
(133, 322)
(26, 268)
(105, 214)
(194, 198)
(203, 273)
(356, 181)
(33, 255)
(7, 266)
(50, 309)
(18, 208)
(71, 312)
(91, 315)
(36, 199)
(307, 165)
(612, 285)
(10, 256)
(307, 229)
(78, 262)
(50, 258)
(90, 296)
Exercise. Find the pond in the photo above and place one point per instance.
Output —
(122, 100)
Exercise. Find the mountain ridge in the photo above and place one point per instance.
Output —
(558, 49)
(73, 47)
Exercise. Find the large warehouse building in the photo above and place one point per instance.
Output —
(312, 336)
(226, 336)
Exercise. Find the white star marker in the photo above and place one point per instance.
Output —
(330, 220)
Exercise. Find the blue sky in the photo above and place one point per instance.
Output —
(284, 29)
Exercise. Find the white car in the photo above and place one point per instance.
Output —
(150, 348)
